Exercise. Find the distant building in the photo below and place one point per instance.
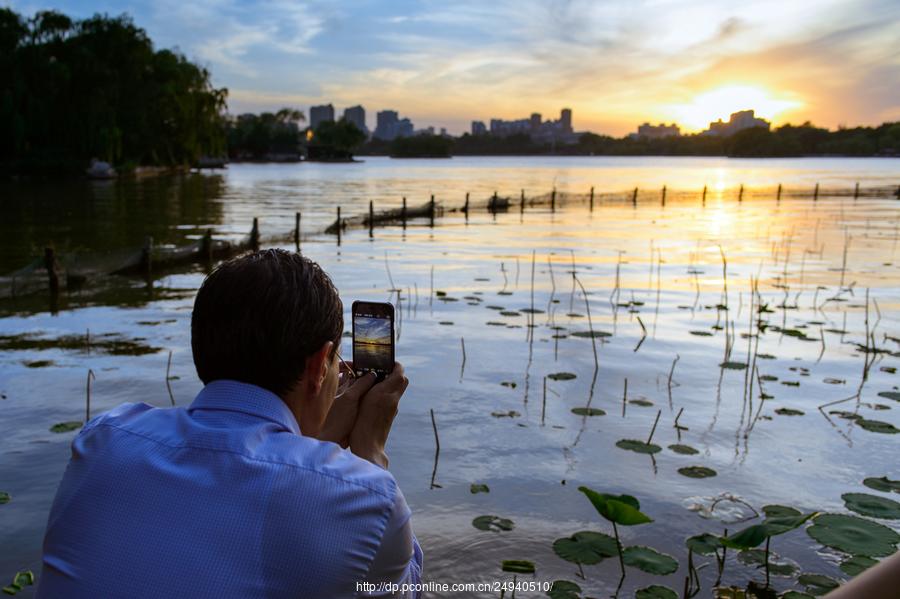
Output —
(648, 131)
(744, 119)
(559, 131)
(320, 114)
(357, 116)
(389, 126)
(478, 128)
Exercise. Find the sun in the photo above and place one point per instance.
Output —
(720, 102)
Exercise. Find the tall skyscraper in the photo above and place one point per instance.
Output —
(390, 126)
(320, 114)
(478, 128)
(565, 120)
(357, 116)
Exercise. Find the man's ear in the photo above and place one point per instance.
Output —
(316, 367)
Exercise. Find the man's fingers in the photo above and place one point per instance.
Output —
(361, 385)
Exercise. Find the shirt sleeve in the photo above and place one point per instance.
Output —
(398, 561)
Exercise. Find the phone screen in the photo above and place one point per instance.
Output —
(373, 338)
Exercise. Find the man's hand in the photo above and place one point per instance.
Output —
(376, 415)
(343, 413)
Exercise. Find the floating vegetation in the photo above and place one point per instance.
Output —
(509, 414)
(872, 505)
(495, 323)
(818, 584)
(789, 412)
(585, 547)
(504, 293)
(644, 403)
(446, 322)
(701, 333)
(857, 564)
(704, 544)
(649, 560)
(585, 411)
(564, 589)
(895, 395)
(877, 426)
(791, 383)
(769, 378)
(854, 535)
(696, 472)
(683, 449)
(510, 313)
(479, 488)
(733, 365)
(510, 384)
(834, 381)
(883, 484)
(591, 334)
(495, 308)
(493, 523)
(39, 363)
(561, 376)
(518, 566)
(780, 511)
(531, 311)
(65, 427)
(638, 446)
(4, 497)
(108, 343)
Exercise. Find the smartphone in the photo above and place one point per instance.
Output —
(373, 338)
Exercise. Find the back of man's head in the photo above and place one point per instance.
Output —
(259, 316)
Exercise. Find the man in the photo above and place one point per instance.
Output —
(250, 491)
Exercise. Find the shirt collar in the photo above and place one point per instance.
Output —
(236, 396)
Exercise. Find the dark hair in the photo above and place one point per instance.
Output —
(259, 316)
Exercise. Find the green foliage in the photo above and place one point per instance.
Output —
(493, 523)
(20, 581)
(857, 564)
(422, 146)
(479, 488)
(4, 497)
(65, 427)
(872, 505)
(585, 547)
(258, 136)
(73, 90)
(620, 509)
(649, 560)
(341, 135)
(655, 591)
(696, 472)
(854, 535)
(638, 446)
(882, 484)
(564, 589)
(583, 411)
(683, 449)
(704, 544)
(518, 566)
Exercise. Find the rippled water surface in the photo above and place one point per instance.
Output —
(489, 308)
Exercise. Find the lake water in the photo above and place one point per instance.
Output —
(665, 316)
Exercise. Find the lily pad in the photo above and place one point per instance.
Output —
(683, 449)
(854, 535)
(493, 523)
(655, 591)
(564, 589)
(701, 333)
(621, 509)
(872, 505)
(510, 414)
(818, 584)
(644, 403)
(518, 566)
(510, 384)
(895, 395)
(65, 427)
(795, 595)
(561, 376)
(588, 412)
(789, 412)
(877, 426)
(857, 564)
(705, 544)
(638, 446)
(780, 511)
(733, 365)
(697, 472)
(479, 488)
(4, 497)
(591, 334)
(649, 560)
(883, 484)
(585, 547)
(509, 313)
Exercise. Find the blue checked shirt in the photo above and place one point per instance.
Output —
(222, 499)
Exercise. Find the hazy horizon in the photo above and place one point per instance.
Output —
(616, 65)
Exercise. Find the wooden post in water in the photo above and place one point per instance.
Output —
(664, 195)
(206, 247)
(371, 218)
(522, 202)
(553, 200)
(297, 217)
(403, 212)
(52, 271)
(592, 199)
(856, 191)
(147, 256)
(254, 235)
(634, 197)
(704, 195)
(816, 193)
(741, 193)
(338, 225)
(466, 207)
(431, 212)
(898, 192)
(778, 196)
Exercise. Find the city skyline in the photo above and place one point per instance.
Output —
(616, 65)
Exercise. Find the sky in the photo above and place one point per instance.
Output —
(615, 63)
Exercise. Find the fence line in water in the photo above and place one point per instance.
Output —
(45, 273)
